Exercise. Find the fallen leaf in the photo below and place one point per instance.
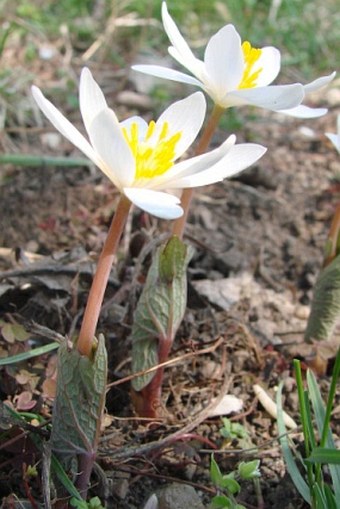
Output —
(24, 401)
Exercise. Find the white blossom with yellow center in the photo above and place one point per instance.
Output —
(235, 74)
(140, 158)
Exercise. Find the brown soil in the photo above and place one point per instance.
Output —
(258, 243)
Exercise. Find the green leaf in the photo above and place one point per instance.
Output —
(64, 479)
(325, 309)
(230, 484)
(249, 469)
(79, 504)
(79, 402)
(215, 472)
(173, 260)
(93, 503)
(324, 455)
(292, 467)
(29, 355)
(331, 501)
(221, 502)
(20, 333)
(320, 416)
(160, 309)
(319, 497)
(56, 466)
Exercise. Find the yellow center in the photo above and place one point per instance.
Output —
(153, 157)
(251, 56)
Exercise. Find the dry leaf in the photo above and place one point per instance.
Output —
(24, 401)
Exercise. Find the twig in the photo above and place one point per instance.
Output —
(170, 362)
(128, 452)
(46, 469)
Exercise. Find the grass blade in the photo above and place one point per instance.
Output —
(31, 160)
(56, 466)
(64, 478)
(324, 455)
(41, 350)
(319, 497)
(320, 416)
(292, 468)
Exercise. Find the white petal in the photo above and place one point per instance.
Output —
(270, 63)
(335, 139)
(319, 83)
(196, 66)
(273, 97)
(237, 159)
(187, 57)
(91, 98)
(303, 111)
(142, 125)
(165, 73)
(185, 116)
(223, 61)
(163, 205)
(194, 165)
(109, 142)
(64, 126)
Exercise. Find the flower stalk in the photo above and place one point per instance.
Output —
(187, 194)
(86, 340)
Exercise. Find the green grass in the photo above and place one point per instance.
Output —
(305, 31)
(308, 41)
(320, 488)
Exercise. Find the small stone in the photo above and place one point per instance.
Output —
(302, 312)
(190, 471)
(120, 485)
(51, 140)
(178, 496)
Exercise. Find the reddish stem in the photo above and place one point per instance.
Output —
(187, 195)
(86, 338)
(147, 402)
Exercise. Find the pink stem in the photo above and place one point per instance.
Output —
(86, 338)
(187, 195)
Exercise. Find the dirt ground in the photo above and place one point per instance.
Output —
(258, 243)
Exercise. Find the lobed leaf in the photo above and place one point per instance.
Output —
(325, 310)
(161, 307)
(79, 402)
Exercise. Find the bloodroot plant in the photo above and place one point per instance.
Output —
(143, 160)
(140, 159)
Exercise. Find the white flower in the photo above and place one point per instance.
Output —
(234, 74)
(335, 138)
(139, 158)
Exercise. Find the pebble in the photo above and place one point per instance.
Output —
(302, 312)
(178, 496)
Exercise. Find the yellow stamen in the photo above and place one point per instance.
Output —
(251, 56)
(153, 157)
